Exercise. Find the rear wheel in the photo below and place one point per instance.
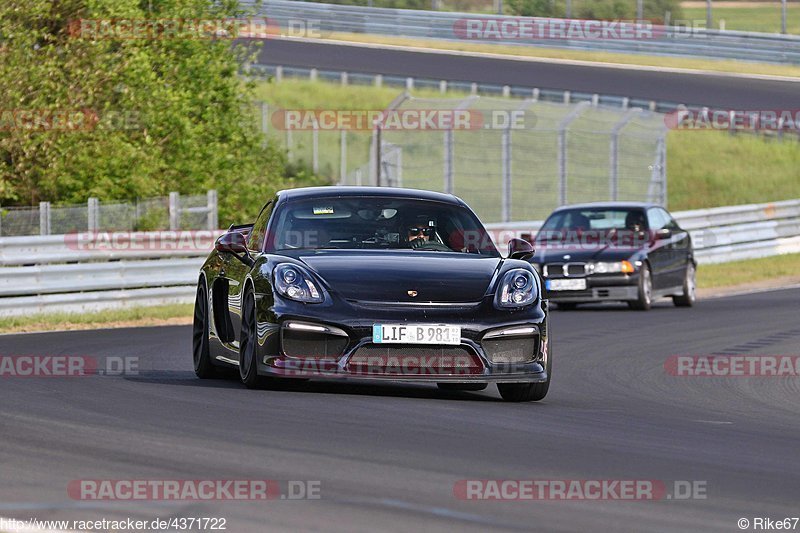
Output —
(645, 296)
(689, 296)
(462, 386)
(203, 367)
(248, 359)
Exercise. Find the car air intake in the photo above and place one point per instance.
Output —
(317, 344)
(422, 360)
(511, 349)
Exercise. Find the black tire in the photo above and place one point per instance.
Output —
(248, 360)
(689, 296)
(645, 293)
(529, 392)
(201, 354)
(473, 387)
(567, 306)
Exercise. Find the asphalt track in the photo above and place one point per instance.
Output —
(717, 91)
(388, 455)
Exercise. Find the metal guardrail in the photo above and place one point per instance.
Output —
(666, 40)
(47, 274)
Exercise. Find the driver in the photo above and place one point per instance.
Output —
(420, 232)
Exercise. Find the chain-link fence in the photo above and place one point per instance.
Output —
(510, 159)
(174, 212)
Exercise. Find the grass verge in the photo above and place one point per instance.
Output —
(748, 17)
(749, 272)
(715, 65)
(112, 318)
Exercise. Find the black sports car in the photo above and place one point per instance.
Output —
(619, 251)
(376, 283)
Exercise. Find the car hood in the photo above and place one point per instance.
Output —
(584, 254)
(388, 275)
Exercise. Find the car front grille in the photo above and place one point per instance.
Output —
(573, 270)
(511, 349)
(415, 360)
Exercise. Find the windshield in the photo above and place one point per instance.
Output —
(351, 223)
(583, 224)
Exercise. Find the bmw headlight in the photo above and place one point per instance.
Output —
(624, 267)
(517, 288)
(295, 283)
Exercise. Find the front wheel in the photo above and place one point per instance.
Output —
(203, 367)
(529, 392)
(645, 293)
(689, 296)
(248, 359)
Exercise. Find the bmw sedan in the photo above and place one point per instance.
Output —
(372, 283)
(618, 251)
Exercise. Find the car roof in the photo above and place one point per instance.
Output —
(394, 192)
(608, 205)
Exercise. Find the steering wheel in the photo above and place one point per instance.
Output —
(422, 244)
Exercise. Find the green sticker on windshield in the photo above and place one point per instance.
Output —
(323, 210)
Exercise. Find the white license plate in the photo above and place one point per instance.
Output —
(566, 284)
(416, 334)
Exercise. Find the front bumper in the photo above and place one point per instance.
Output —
(354, 356)
(609, 288)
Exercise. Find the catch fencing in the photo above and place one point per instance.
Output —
(167, 212)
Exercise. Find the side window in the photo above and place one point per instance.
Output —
(655, 219)
(255, 241)
(671, 224)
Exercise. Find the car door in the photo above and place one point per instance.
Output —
(680, 250)
(659, 251)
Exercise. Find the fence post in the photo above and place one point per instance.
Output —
(447, 150)
(174, 211)
(315, 148)
(93, 215)
(505, 169)
(213, 213)
(342, 155)
(44, 218)
(264, 123)
(289, 143)
(614, 153)
(375, 156)
(562, 150)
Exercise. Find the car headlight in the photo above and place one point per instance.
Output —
(617, 267)
(295, 283)
(517, 288)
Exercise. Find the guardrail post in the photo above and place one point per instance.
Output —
(409, 84)
(562, 150)
(614, 153)
(312, 74)
(442, 86)
(174, 211)
(213, 213)
(379, 80)
(279, 73)
(343, 78)
(93, 215)
(44, 218)
(342, 155)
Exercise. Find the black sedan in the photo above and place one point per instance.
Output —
(372, 283)
(619, 251)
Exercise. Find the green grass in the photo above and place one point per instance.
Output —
(748, 271)
(705, 168)
(710, 168)
(140, 316)
(764, 19)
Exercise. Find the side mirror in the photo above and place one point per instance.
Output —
(520, 249)
(663, 233)
(233, 243)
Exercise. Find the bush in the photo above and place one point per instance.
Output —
(159, 115)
